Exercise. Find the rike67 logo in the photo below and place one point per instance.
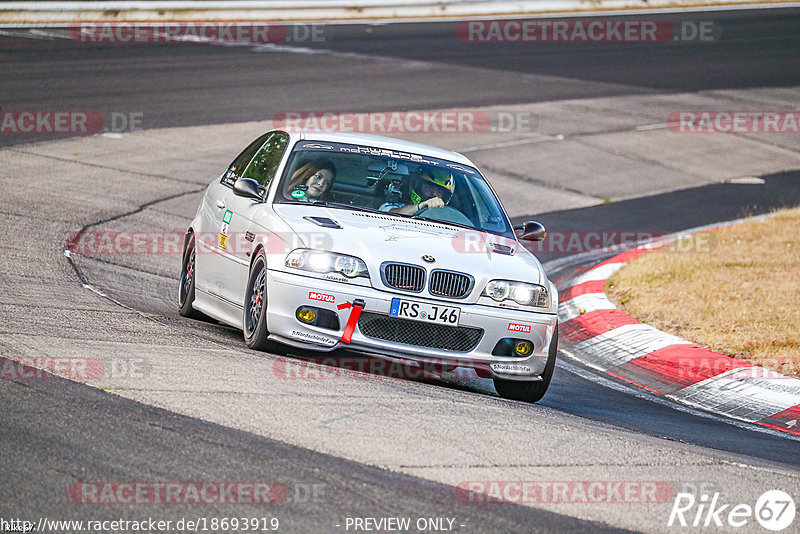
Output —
(774, 510)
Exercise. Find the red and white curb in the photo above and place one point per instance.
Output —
(599, 335)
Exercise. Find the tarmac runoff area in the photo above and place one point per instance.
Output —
(121, 309)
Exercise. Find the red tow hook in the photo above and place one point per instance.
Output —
(355, 313)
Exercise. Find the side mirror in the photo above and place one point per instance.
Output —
(248, 188)
(531, 231)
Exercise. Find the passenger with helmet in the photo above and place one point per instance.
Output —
(432, 188)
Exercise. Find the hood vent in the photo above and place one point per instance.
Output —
(323, 221)
(502, 249)
(406, 220)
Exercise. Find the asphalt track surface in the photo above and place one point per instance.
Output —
(188, 85)
(55, 431)
(153, 444)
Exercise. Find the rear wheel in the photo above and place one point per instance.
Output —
(255, 308)
(186, 287)
(530, 391)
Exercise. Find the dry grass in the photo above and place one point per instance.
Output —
(737, 292)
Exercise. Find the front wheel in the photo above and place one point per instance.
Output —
(255, 308)
(530, 391)
(187, 283)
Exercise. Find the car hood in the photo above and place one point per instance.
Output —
(378, 238)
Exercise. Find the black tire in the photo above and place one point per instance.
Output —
(186, 285)
(527, 391)
(255, 308)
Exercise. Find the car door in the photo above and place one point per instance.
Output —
(240, 211)
(215, 262)
(206, 260)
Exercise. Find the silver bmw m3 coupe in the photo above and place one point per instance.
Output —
(329, 240)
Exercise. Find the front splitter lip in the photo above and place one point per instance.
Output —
(516, 370)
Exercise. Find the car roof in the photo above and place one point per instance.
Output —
(380, 141)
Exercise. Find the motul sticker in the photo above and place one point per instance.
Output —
(321, 297)
(514, 327)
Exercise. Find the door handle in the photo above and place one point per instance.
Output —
(221, 204)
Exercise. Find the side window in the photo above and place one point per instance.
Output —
(263, 166)
(236, 168)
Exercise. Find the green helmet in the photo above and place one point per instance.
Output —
(439, 177)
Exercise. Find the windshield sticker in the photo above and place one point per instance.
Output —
(460, 168)
(372, 151)
(298, 193)
(384, 152)
(315, 146)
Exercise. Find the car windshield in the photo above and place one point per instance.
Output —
(396, 183)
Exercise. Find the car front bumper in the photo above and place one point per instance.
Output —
(287, 292)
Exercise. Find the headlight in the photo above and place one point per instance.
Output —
(522, 293)
(318, 261)
(348, 266)
(498, 290)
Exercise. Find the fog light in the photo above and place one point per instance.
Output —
(523, 348)
(307, 315)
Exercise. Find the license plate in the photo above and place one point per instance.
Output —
(425, 312)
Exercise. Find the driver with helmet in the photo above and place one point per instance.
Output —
(432, 188)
